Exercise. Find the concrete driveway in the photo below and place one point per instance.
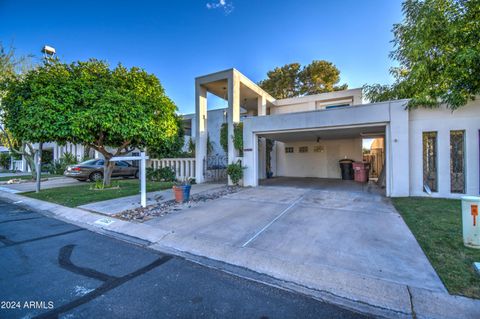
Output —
(358, 232)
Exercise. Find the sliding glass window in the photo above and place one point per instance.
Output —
(457, 161)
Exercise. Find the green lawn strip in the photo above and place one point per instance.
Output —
(437, 225)
(77, 195)
(25, 177)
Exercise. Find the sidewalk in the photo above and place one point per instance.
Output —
(360, 293)
(117, 205)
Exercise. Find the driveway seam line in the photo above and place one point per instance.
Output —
(273, 221)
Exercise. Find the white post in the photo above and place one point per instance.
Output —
(201, 130)
(143, 180)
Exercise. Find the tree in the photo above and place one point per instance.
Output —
(282, 82)
(438, 52)
(169, 148)
(110, 110)
(292, 80)
(320, 77)
(13, 67)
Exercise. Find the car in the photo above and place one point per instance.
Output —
(93, 170)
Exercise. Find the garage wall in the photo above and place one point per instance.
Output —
(443, 121)
(323, 164)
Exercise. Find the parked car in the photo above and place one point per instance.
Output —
(93, 170)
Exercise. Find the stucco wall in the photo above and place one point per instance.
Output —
(443, 121)
(215, 118)
(322, 164)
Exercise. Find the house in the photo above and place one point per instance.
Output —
(425, 151)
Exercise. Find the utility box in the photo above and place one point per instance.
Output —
(470, 221)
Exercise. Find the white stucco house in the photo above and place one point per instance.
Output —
(427, 152)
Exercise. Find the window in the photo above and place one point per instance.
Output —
(303, 149)
(336, 106)
(457, 161)
(288, 149)
(430, 178)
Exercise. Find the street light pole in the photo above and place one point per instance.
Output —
(48, 52)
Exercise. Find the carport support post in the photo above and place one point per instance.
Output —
(200, 131)
(233, 115)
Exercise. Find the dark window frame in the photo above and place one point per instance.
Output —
(457, 161)
(430, 160)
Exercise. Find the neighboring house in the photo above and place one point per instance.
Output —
(424, 149)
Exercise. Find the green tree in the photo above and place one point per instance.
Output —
(13, 67)
(111, 110)
(292, 80)
(438, 52)
(320, 77)
(282, 82)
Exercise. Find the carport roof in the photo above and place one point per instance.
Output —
(325, 134)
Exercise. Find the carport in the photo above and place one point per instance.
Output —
(310, 158)
(310, 144)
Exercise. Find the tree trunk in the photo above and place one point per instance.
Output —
(31, 163)
(107, 173)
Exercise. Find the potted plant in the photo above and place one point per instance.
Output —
(182, 191)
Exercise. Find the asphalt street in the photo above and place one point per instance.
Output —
(51, 269)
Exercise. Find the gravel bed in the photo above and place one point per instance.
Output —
(171, 206)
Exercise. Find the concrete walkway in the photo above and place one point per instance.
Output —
(117, 205)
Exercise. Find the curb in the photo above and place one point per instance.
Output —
(351, 291)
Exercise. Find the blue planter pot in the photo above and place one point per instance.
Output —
(186, 192)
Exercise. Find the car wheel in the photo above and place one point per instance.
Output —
(136, 174)
(96, 176)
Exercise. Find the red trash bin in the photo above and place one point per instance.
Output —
(361, 170)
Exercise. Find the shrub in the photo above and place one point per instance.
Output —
(164, 174)
(235, 171)
(60, 165)
(5, 160)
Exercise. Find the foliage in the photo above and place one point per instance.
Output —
(238, 137)
(164, 174)
(224, 137)
(91, 104)
(292, 80)
(170, 148)
(438, 52)
(99, 185)
(235, 171)
(12, 68)
(191, 147)
(5, 160)
(59, 166)
(437, 226)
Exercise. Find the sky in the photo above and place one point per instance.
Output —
(178, 40)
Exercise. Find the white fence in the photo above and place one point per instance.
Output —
(16, 165)
(184, 167)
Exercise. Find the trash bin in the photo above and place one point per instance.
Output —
(346, 168)
(361, 170)
(470, 221)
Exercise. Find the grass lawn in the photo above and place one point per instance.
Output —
(25, 177)
(77, 195)
(437, 225)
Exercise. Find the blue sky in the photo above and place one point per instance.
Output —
(179, 40)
